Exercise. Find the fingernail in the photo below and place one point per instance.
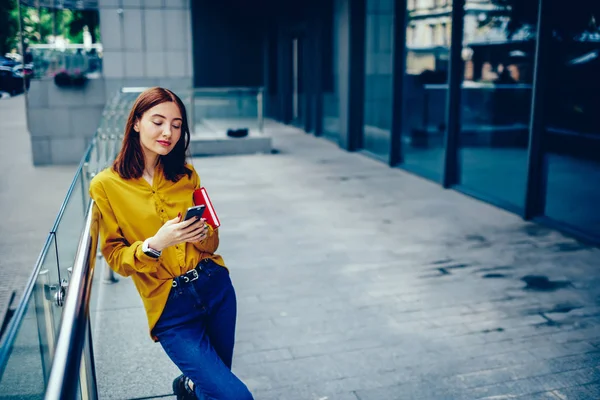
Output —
(178, 215)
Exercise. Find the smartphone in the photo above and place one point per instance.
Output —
(195, 211)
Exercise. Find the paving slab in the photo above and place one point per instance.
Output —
(356, 281)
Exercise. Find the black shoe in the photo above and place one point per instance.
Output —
(182, 390)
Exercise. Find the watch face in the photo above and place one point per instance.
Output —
(152, 253)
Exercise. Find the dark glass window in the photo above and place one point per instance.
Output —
(378, 76)
(425, 88)
(572, 115)
(498, 61)
(331, 91)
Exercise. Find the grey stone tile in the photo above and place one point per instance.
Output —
(176, 64)
(132, 29)
(530, 396)
(263, 357)
(131, 353)
(154, 3)
(109, 3)
(582, 392)
(113, 64)
(112, 39)
(95, 93)
(84, 121)
(154, 30)
(39, 126)
(37, 95)
(67, 151)
(132, 3)
(176, 21)
(155, 64)
(134, 64)
(540, 383)
(40, 151)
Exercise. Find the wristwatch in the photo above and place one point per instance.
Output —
(150, 251)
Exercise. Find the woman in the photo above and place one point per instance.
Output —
(185, 287)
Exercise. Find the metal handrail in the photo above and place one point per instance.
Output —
(75, 327)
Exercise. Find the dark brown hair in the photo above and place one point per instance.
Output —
(129, 163)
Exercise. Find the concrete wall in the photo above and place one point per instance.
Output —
(61, 121)
(146, 43)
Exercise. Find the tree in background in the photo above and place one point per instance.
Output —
(81, 19)
(9, 26)
(41, 24)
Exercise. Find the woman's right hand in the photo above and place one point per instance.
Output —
(174, 232)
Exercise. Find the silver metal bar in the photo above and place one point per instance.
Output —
(87, 371)
(75, 318)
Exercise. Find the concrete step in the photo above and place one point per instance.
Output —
(210, 138)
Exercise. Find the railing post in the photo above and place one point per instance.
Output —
(260, 111)
(87, 371)
(109, 274)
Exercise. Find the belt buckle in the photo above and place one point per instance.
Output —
(186, 279)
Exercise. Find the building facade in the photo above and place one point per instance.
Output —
(493, 98)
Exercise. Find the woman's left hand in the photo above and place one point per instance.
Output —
(202, 233)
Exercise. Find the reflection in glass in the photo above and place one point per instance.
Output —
(424, 97)
(28, 366)
(378, 76)
(572, 134)
(23, 377)
(331, 91)
(495, 103)
(69, 229)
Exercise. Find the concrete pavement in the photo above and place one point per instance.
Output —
(356, 281)
(30, 198)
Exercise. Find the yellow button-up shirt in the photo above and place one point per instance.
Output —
(132, 211)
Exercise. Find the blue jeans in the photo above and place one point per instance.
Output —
(197, 331)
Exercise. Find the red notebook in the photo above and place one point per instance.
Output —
(201, 198)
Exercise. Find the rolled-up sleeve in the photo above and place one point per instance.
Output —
(123, 257)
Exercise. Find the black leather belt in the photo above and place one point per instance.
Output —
(190, 276)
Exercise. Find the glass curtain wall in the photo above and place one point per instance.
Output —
(378, 76)
(331, 57)
(572, 122)
(498, 58)
(423, 128)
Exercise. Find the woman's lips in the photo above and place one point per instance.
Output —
(164, 143)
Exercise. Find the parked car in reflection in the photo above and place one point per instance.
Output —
(12, 77)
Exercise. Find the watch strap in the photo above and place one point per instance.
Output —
(150, 251)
